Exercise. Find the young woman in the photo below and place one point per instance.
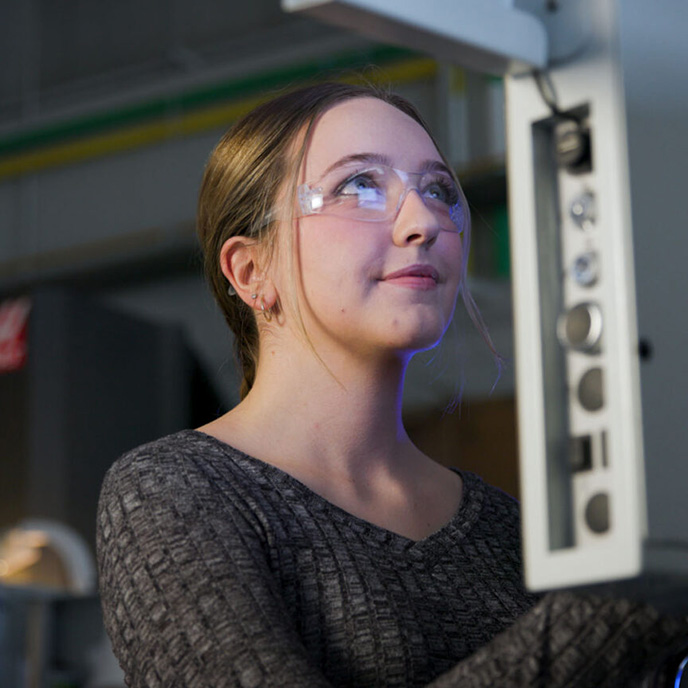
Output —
(301, 539)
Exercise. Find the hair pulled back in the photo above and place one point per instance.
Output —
(242, 182)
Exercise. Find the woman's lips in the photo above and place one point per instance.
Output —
(414, 277)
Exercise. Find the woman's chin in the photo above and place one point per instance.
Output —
(416, 342)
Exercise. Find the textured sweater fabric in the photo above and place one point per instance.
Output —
(217, 569)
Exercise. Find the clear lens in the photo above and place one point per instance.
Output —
(375, 194)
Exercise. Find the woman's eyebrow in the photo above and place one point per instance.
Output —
(372, 158)
(435, 166)
(430, 165)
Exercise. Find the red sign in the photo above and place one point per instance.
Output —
(14, 321)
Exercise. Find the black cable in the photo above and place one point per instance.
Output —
(549, 96)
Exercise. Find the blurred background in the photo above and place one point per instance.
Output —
(108, 335)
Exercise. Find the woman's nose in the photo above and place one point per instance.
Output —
(415, 222)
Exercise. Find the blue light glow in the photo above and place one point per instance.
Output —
(679, 673)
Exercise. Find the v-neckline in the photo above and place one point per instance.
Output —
(456, 528)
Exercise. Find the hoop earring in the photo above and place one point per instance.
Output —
(267, 312)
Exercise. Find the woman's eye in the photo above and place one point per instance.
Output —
(442, 191)
(355, 185)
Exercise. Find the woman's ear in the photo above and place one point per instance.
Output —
(240, 261)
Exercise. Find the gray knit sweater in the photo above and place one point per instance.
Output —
(217, 569)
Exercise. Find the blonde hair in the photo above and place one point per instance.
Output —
(243, 179)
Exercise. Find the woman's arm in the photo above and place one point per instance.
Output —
(187, 593)
(576, 641)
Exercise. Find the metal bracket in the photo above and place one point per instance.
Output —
(489, 36)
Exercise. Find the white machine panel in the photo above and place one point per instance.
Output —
(493, 36)
(601, 374)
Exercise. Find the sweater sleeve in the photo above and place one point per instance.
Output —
(577, 641)
(188, 597)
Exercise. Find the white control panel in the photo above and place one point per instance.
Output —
(599, 483)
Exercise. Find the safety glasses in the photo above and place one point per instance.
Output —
(376, 192)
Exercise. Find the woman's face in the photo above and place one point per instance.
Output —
(375, 288)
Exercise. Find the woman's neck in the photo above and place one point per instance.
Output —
(342, 414)
(340, 409)
(339, 432)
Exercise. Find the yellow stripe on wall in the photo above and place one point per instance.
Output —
(137, 136)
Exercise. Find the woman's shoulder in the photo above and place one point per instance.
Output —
(489, 496)
(181, 487)
(183, 463)
(175, 448)
(180, 450)
(495, 509)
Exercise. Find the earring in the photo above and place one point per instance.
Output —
(254, 296)
(231, 291)
(267, 312)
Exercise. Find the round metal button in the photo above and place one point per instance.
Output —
(581, 327)
(597, 513)
(590, 393)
